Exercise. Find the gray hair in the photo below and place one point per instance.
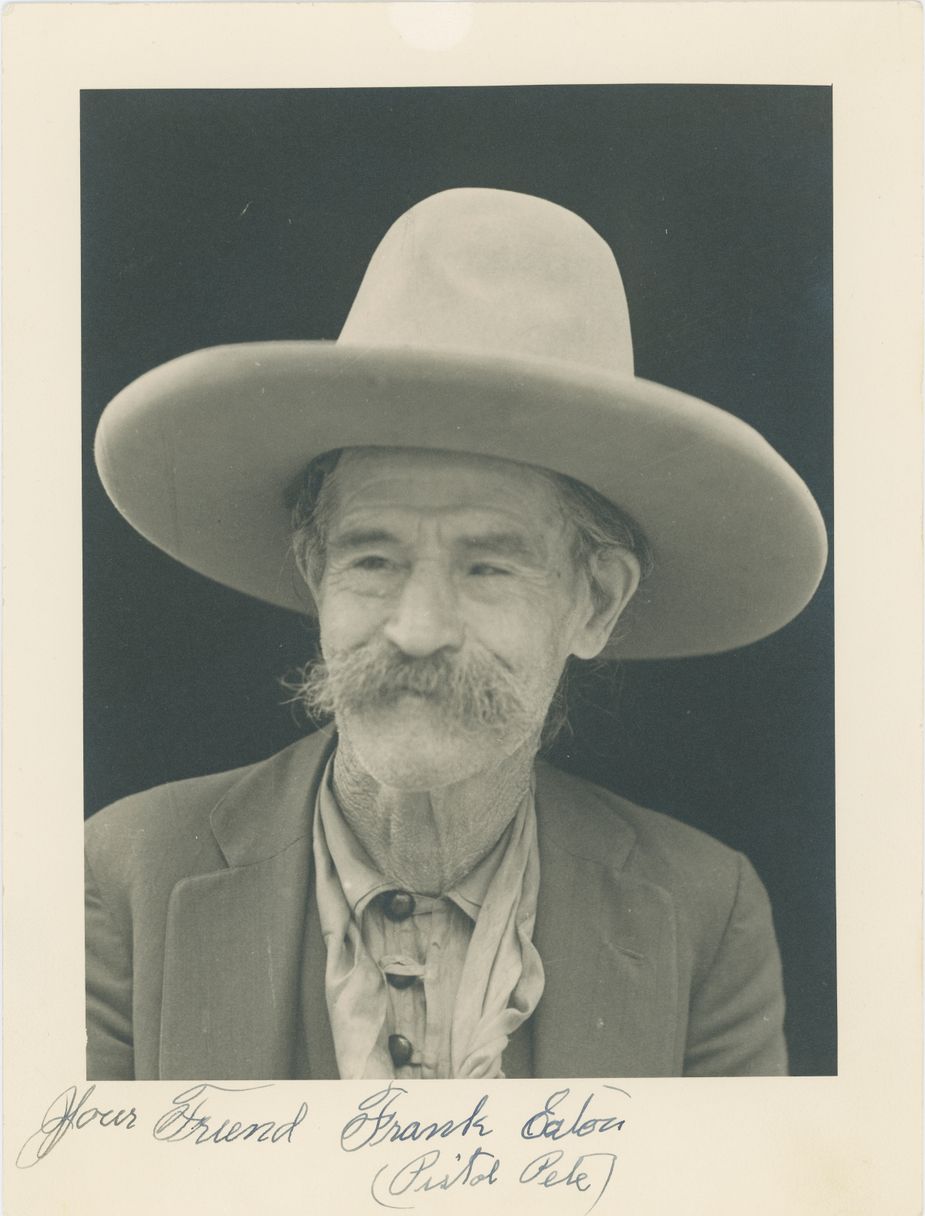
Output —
(597, 524)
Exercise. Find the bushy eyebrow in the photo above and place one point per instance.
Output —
(512, 545)
(505, 544)
(359, 538)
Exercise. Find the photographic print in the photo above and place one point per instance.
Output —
(462, 604)
(511, 307)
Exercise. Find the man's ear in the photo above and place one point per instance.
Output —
(613, 578)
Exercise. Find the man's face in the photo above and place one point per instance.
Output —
(459, 568)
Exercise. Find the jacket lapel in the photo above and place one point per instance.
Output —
(608, 944)
(235, 937)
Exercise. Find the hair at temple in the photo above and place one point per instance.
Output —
(597, 524)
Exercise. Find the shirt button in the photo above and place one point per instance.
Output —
(401, 981)
(398, 905)
(400, 1049)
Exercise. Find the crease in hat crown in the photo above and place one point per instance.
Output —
(493, 323)
(492, 271)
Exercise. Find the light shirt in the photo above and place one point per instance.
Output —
(474, 973)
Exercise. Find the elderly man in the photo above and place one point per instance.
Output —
(472, 490)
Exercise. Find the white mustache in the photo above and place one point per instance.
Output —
(470, 686)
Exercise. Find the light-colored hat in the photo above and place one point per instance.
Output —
(487, 322)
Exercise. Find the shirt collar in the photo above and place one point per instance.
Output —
(361, 881)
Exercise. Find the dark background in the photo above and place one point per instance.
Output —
(230, 216)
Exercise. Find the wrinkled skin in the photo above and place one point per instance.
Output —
(448, 554)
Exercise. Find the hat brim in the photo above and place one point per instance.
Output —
(197, 454)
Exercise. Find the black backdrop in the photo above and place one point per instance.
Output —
(225, 216)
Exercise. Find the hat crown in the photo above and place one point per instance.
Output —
(494, 272)
(489, 323)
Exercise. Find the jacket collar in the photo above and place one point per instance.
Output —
(271, 807)
(235, 937)
(607, 940)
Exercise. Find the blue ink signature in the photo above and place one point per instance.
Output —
(186, 1120)
(579, 1174)
(64, 1113)
(549, 1124)
(377, 1123)
(426, 1173)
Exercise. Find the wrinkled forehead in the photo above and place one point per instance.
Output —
(417, 479)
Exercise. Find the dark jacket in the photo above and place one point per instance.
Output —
(657, 941)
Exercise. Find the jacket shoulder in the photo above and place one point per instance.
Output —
(187, 796)
(166, 830)
(707, 882)
(159, 835)
(702, 875)
(659, 842)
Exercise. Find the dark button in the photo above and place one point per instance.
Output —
(400, 1049)
(398, 905)
(401, 981)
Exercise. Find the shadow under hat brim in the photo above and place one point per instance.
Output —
(198, 453)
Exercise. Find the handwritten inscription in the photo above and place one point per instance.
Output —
(430, 1172)
(189, 1119)
(378, 1123)
(585, 1173)
(68, 1112)
(381, 1119)
(553, 1123)
(448, 1152)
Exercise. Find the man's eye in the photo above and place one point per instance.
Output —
(480, 569)
(372, 561)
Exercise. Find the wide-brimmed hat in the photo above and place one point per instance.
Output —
(487, 322)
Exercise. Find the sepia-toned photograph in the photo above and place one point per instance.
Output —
(462, 608)
(458, 610)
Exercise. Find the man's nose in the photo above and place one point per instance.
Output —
(426, 617)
